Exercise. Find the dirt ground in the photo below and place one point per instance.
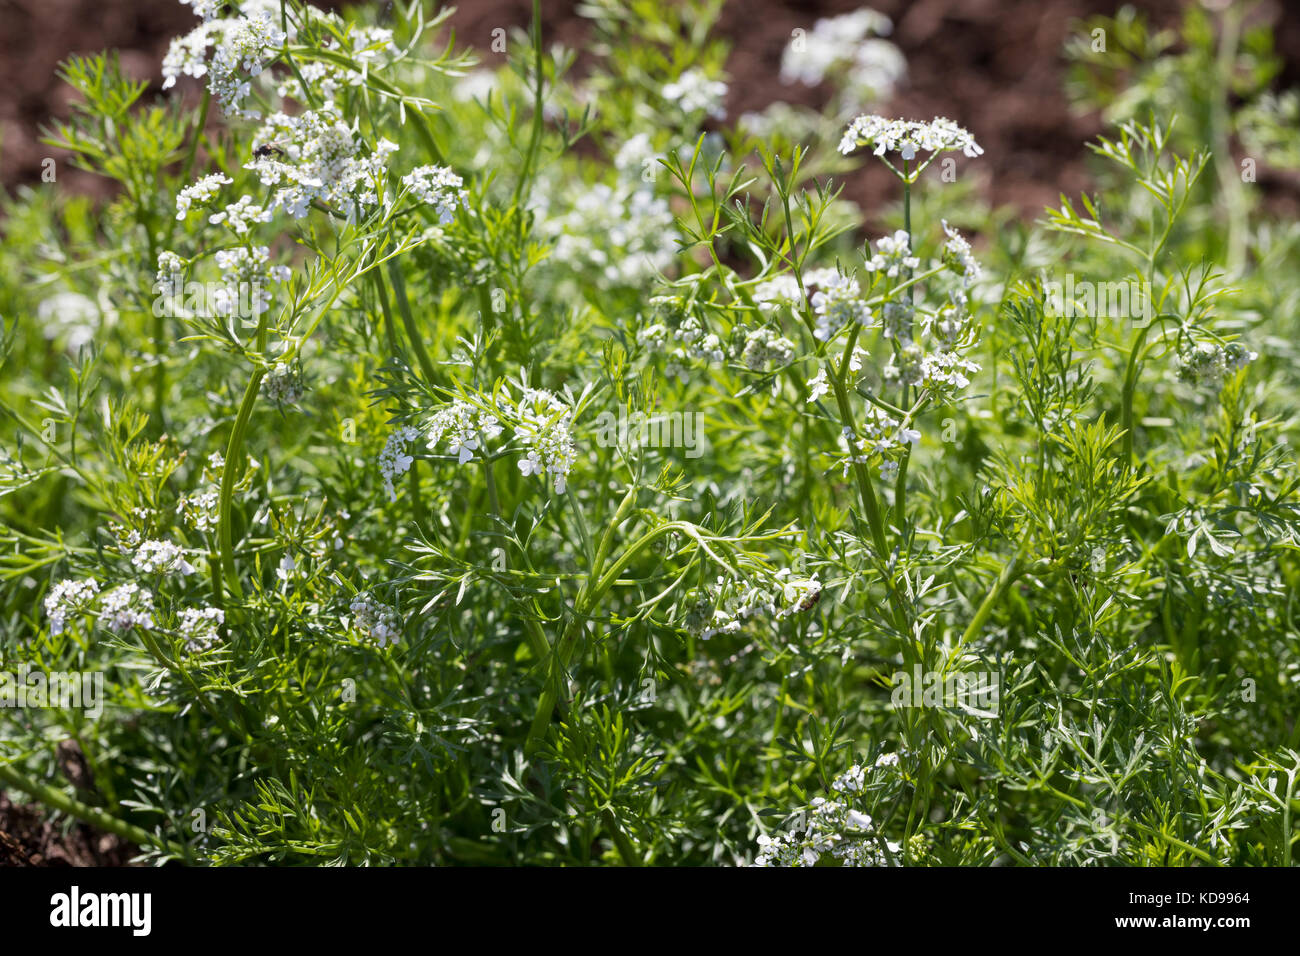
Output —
(994, 66)
(27, 838)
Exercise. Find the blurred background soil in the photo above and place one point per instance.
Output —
(993, 66)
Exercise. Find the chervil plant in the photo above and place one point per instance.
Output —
(443, 458)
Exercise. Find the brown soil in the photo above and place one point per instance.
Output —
(992, 65)
(28, 838)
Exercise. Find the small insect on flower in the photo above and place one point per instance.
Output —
(269, 149)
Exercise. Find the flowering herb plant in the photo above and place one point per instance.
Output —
(449, 459)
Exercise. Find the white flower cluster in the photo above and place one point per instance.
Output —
(893, 254)
(466, 428)
(243, 45)
(698, 344)
(284, 384)
(125, 607)
(957, 252)
(317, 158)
(723, 608)
(160, 557)
(198, 626)
(379, 622)
(393, 459)
(171, 271)
(1206, 365)
(67, 598)
(694, 92)
(714, 614)
(882, 435)
(763, 345)
(245, 269)
(943, 373)
(896, 320)
(240, 216)
(623, 233)
(907, 137)
(798, 593)
(199, 509)
(832, 827)
(541, 423)
(843, 49)
(544, 431)
(836, 303)
(439, 187)
(205, 9)
(187, 55)
(246, 43)
(201, 193)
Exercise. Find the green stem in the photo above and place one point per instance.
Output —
(1009, 571)
(535, 138)
(625, 848)
(1126, 396)
(408, 322)
(234, 449)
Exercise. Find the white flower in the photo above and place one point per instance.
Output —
(836, 303)
(907, 137)
(284, 384)
(776, 291)
(126, 607)
(530, 464)
(393, 460)
(199, 627)
(694, 92)
(543, 430)
(1206, 365)
(851, 781)
(379, 622)
(896, 320)
(241, 215)
(187, 55)
(318, 159)
(67, 598)
(763, 346)
(201, 192)
(841, 48)
(170, 270)
(160, 557)
(246, 44)
(893, 254)
(440, 187)
(818, 386)
(465, 427)
(957, 251)
(207, 9)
